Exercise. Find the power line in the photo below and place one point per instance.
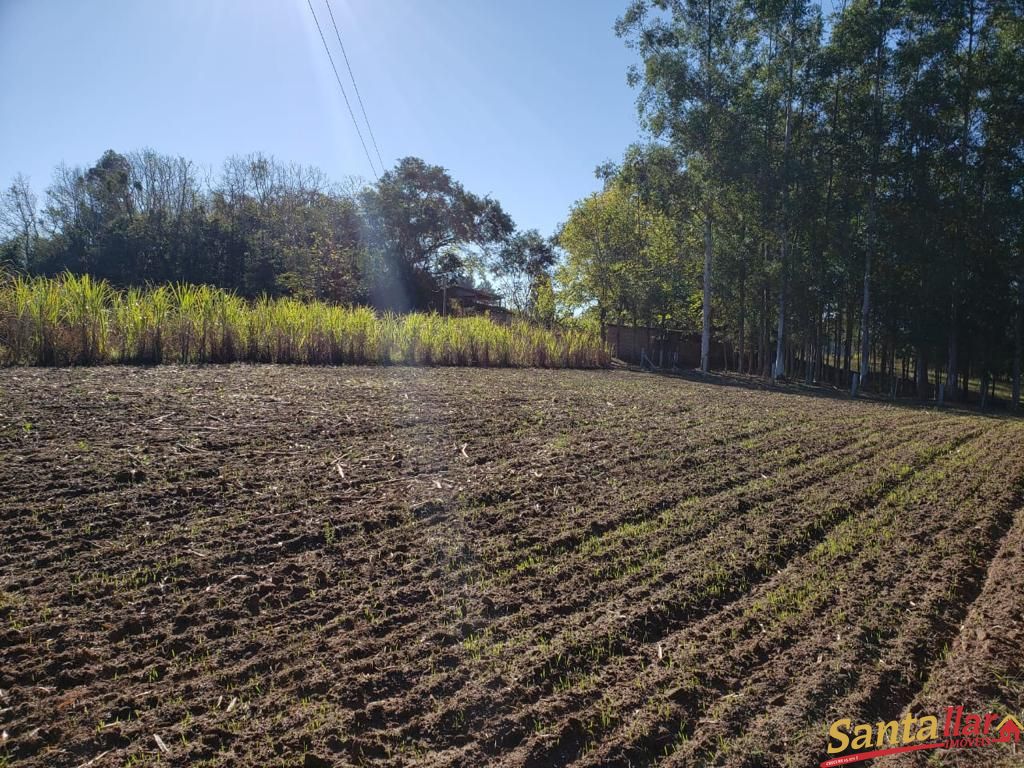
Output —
(344, 95)
(354, 86)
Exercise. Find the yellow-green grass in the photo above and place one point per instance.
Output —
(76, 320)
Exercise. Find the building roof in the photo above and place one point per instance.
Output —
(465, 292)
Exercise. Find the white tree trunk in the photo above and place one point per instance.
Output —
(780, 359)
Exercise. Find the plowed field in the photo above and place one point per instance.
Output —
(275, 566)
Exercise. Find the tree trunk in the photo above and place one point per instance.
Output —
(872, 235)
(762, 360)
(743, 316)
(837, 352)
(865, 347)
(921, 374)
(705, 336)
(966, 109)
(951, 367)
(848, 343)
(822, 350)
(780, 363)
(1017, 344)
(812, 357)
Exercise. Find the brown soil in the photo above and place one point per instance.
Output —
(241, 566)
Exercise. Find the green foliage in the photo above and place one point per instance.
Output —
(623, 256)
(78, 320)
(522, 267)
(423, 222)
(261, 228)
(857, 183)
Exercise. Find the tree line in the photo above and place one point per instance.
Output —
(262, 227)
(834, 198)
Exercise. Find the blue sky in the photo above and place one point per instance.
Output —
(519, 99)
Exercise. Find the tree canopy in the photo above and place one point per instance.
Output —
(846, 193)
(261, 227)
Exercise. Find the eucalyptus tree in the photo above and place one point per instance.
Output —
(19, 221)
(1003, 160)
(785, 35)
(692, 54)
(861, 44)
(522, 266)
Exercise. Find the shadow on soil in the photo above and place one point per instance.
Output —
(999, 409)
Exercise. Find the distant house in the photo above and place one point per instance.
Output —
(464, 300)
(1009, 729)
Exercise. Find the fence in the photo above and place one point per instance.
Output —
(665, 348)
(662, 347)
